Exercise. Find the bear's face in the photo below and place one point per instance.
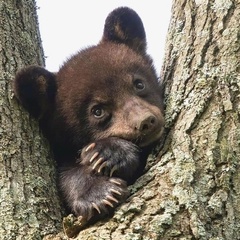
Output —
(110, 91)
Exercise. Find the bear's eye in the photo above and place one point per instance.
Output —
(139, 84)
(98, 112)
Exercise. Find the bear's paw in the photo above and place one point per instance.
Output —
(103, 197)
(112, 157)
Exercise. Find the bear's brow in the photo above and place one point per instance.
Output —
(104, 99)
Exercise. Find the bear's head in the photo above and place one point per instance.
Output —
(110, 89)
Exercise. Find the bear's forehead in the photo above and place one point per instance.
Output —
(102, 62)
(106, 71)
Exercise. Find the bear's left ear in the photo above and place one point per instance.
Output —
(35, 88)
(123, 25)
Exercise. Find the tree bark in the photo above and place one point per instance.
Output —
(191, 190)
(29, 206)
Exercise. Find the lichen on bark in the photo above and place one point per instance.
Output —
(191, 188)
(29, 206)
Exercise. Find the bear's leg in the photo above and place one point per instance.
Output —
(89, 195)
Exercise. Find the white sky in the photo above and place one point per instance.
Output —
(67, 26)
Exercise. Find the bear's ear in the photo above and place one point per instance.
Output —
(35, 88)
(123, 25)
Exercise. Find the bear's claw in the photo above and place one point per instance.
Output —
(99, 161)
(93, 157)
(103, 165)
(115, 191)
(112, 199)
(115, 181)
(113, 170)
(95, 206)
(108, 203)
(90, 147)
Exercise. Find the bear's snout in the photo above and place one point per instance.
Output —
(146, 123)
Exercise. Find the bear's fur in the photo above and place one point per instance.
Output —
(101, 113)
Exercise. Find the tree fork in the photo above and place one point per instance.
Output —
(191, 191)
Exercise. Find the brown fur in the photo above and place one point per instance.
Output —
(106, 103)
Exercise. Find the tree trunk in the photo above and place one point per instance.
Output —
(191, 190)
(29, 206)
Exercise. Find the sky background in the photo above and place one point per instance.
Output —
(68, 26)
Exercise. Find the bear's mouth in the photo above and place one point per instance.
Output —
(147, 140)
(143, 140)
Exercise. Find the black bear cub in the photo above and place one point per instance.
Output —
(101, 113)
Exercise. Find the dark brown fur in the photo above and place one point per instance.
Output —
(105, 102)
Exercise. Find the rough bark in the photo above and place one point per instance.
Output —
(29, 207)
(191, 190)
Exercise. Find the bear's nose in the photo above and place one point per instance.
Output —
(147, 124)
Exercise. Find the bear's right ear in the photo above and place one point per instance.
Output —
(35, 88)
(123, 25)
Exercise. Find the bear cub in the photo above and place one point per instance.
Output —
(102, 112)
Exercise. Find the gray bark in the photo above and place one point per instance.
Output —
(29, 206)
(191, 190)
